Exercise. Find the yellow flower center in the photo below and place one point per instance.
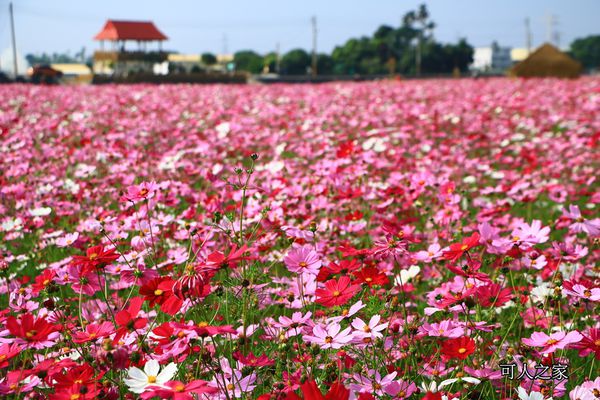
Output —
(551, 342)
(158, 292)
(31, 333)
(151, 379)
(462, 350)
(336, 293)
(46, 281)
(302, 264)
(203, 324)
(93, 256)
(179, 388)
(230, 386)
(328, 339)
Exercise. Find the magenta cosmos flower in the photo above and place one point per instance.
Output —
(330, 337)
(303, 260)
(555, 341)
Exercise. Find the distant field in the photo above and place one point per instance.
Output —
(382, 240)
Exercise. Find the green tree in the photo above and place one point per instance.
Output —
(459, 55)
(209, 58)
(587, 51)
(270, 61)
(295, 62)
(324, 64)
(248, 60)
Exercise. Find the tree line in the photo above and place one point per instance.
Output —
(408, 49)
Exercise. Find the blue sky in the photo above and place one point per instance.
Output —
(198, 26)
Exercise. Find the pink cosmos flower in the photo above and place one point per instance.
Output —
(303, 259)
(237, 384)
(374, 383)
(433, 252)
(93, 332)
(531, 234)
(444, 328)
(67, 240)
(143, 191)
(555, 341)
(367, 333)
(330, 337)
(583, 292)
(293, 325)
(591, 227)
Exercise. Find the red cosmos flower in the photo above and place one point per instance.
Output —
(348, 251)
(253, 361)
(589, 344)
(470, 270)
(432, 396)
(178, 390)
(354, 216)
(43, 280)
(79, 375)
(160, 291)
(492, 295)
(344, 267)
(372, 276)
(95, 257)
(336, 292)
(204, 329)
(93, 332)
(310, 391)
(345, 149)
(127, 320)
(450, 298)
(78, 392)
(456, 250)
(8, 351)
(459, 348)
(235, 255)
(31, 331)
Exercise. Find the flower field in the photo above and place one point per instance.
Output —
(434, 239)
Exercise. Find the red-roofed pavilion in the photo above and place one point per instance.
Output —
(121, 61)
(143, 31)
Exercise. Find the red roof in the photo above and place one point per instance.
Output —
(130, 30)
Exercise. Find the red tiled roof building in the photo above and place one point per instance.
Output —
(130, 30)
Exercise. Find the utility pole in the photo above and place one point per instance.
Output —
(225, 44)
(527, 36)
(418, 55)
(14, 41)
(551, 21)
(277, 57)
(313, 69)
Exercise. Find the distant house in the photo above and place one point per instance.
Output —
(118, 59)
(547, 61)
(493, 59)
(74, 73)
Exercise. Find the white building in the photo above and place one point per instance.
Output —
(492, 59)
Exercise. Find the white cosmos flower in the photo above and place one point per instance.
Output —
(469, 379)
(407, 274)
(531, 396)
(139, 380)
